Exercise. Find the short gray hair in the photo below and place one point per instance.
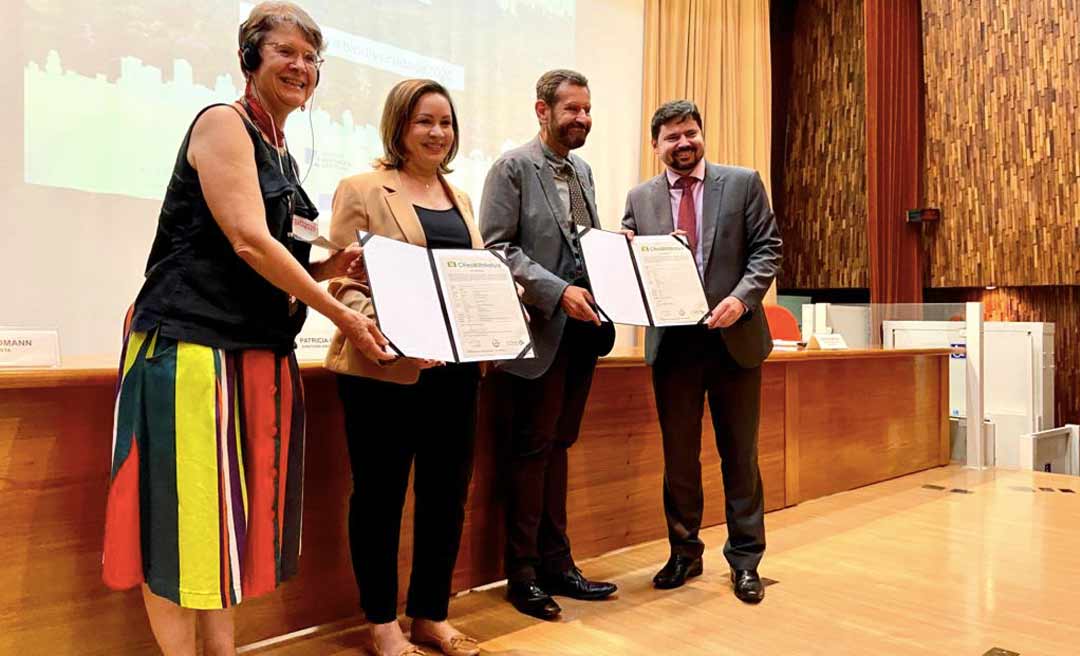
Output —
(266, 16)
(547, 86)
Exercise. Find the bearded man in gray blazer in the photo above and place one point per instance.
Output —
(724, 213)
(534, 197)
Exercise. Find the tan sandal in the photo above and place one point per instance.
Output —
(409, 650)
(456, 645)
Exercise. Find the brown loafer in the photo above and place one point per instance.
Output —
(456, 645)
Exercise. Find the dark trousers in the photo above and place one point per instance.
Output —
(387, 427)
(693, 364)
(545, 417)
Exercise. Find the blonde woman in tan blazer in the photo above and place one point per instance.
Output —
(407, 410)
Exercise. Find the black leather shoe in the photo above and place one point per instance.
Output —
(748, 585)
(531, 599)
(573, 584)
(676, 571)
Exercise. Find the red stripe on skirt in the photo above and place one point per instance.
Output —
(260, 463)
(122, 566)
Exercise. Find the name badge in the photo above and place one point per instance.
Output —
(304, 229)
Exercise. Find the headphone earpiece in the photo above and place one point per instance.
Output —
(250, 58)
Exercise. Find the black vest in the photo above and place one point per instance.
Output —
(197, 288)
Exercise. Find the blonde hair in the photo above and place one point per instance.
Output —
(266, 16)
(398, 110)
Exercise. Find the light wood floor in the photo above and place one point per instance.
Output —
(892, 569)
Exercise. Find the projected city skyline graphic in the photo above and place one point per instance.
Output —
(153, 113)
(111, 122)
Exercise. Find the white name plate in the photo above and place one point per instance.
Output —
(312, 348)
(314, 340)
(29, 348)
(827, 342)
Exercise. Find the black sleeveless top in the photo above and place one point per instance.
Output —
(443, 228)
(197, 288)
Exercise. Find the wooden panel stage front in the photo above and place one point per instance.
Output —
(830, 422)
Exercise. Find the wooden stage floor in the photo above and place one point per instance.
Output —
(991, 559)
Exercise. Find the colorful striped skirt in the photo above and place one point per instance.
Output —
(206, 490)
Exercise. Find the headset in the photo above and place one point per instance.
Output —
(251, 59)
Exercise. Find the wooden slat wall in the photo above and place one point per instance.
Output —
(1059, 304)
(823, 208)
(1002, 84)
(1003, 141)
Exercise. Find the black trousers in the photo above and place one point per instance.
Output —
(544, 421)
(388, 427)
(693, 364)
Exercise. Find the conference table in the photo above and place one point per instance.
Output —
(830, 421)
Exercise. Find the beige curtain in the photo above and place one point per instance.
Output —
(715, 53)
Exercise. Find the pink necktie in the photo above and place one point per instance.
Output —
(687, 212)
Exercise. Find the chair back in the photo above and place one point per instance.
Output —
(782, 323)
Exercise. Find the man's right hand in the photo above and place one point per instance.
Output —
(578, 303)
(365, 335)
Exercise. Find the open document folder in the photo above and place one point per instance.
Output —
(449, 304)
(650, 281)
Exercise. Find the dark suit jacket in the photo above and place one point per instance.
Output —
(741, 250)
(521, 213)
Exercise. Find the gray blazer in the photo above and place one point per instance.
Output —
(521, 212)
(741, 250)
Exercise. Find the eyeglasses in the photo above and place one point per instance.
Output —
(310, 58)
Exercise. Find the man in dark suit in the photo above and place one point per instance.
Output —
(724, 213)
(534, 196)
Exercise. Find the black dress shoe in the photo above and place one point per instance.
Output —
(531, 599)
(573, 584)
(748, 585)
(676, 571)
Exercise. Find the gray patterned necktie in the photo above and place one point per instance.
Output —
(579, 213)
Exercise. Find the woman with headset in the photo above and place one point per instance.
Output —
(204, 498)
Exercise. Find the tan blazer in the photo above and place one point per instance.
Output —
(372, 202)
